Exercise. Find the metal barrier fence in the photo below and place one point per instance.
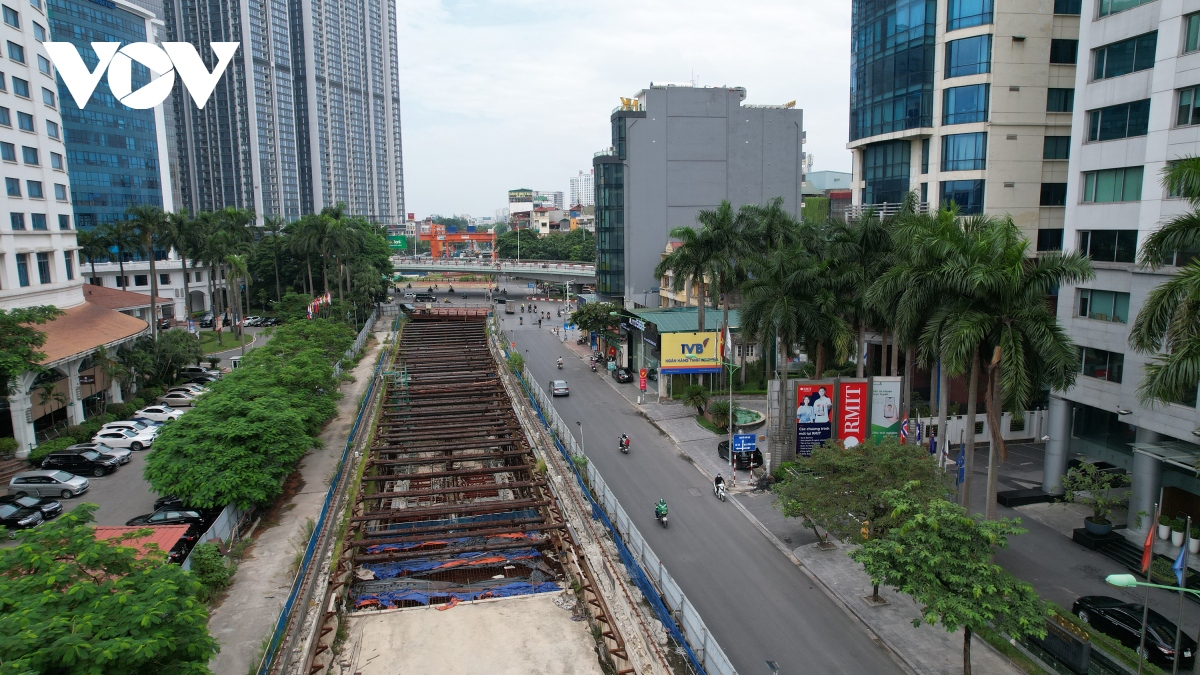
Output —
(285, 613)
(646, 569)
(222, 528)
(358, 343)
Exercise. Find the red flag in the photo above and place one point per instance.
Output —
(1148, 547)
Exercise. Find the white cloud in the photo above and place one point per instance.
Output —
(518, 94)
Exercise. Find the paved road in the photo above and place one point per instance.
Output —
(758, 605)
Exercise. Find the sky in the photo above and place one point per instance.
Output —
(503, 95)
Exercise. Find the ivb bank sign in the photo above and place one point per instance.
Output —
(165, 61)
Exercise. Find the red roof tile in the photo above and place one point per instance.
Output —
(115, 298)
(164, 535)
(83, 328)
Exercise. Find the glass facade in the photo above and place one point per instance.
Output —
(967, 13)
(610, 228)
(967, 194)
(1124, 57)
(964, 152)
(891, 66)
(969, 56)
(112, 150)
(885, 172)
(1119, 121)
(963, 105)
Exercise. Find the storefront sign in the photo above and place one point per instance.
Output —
(814, 416)
(87, 379)
(642, 379)
(885, 408)
(638, 323)
(690, 353)
(852, 412)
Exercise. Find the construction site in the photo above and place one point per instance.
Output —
(467, 547)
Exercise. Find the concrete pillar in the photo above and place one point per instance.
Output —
(20, 408)
(1147, 481)
(75, 402)
(1058, 447)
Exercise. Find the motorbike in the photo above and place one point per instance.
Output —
(719, 491)
(624, 445)
(560, 365)
(581, 341)
(662, 518)
(593, 366)
(521, 320)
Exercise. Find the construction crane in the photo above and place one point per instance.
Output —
(443, 239)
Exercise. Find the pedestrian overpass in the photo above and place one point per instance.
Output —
(539, 270)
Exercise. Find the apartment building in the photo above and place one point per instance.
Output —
(583, 189)
(1137, 109)
(964, 101)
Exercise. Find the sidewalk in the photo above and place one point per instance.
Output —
(247, 615)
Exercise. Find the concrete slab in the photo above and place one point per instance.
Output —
(527, 635)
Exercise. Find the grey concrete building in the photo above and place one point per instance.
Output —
(678, 149)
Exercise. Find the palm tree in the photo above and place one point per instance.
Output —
(148, 224)
(238, 272)
(1168, 319)
(120, 235)
(768, 227)
(274, 225)
(178, 235)
(92, 245)
(691, 262)
(862, 253)
(305, 238)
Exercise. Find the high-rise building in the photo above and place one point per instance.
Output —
(550, 199)
(1138, 111)
(964, 101)
(678, 149)
(306, 116)
(583, 189)
(116, 155)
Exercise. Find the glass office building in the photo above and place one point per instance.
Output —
(891, 66)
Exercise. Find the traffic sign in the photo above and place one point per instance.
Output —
(529, 286)
(743, 442)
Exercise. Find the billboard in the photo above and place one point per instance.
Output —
(814, 416)
(690, 353)
(885, 408)
(398, 242)
(852, 412)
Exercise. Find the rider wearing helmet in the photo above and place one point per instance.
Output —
(720, 480)
(660, 509)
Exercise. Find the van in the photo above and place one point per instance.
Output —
(425, 297)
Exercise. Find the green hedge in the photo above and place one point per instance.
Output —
(39, 453)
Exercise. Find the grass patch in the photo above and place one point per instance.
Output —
(710, 426)
(1114, 648)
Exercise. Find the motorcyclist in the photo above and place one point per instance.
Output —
(719, 482)
(559, 358)
(660, 509)
(623, 441)
(521, 320)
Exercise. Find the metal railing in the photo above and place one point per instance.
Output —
(883, 210)
(224, 528)
(358, 343)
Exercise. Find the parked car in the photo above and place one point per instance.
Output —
(16, 517)
(169, 502)
(206, 321)
(559, 388)
(652, 374)
(132, 425)
(81, 462)
(193, 371)
(49, 507)
(158, 413)
(177, 400)
(202, 380)
(252, 321)
(1123, 621)
(167, 517)
(745, 460)
(622, 375)
(193, 389)
(47, 484)
(271, 321)
(120, 454)
(118, 438)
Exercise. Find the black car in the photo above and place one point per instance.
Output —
(622, 375)
(202, 379)
(49, 507)
(1123, 621)
(168, 502)
(167, 517)
(88, 462)
(16, 517)
(206, 321)
(745, 460)
(164, 324)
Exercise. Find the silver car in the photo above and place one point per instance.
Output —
(48, 483)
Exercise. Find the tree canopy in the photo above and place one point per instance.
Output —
(597, 316)
(19, 341)
(578, 245)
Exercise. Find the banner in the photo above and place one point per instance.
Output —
(814, 416)
(885, 408)
(690, 353)
(852, 412)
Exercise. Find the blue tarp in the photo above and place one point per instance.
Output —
(395, 569)
(393, 598)
(452, 541)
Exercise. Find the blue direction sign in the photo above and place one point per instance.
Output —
(743, 442)
(529, 286)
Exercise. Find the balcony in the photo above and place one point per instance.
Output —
(884, 210)
(607, 152)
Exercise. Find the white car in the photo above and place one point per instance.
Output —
(192, 371)
(177, 399)
(159, 413)
(410, 294)
(193, 389)
(119, 438)
(131, 425)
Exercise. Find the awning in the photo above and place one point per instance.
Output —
(1177, 453)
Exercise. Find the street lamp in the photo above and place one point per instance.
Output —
(1129, 581)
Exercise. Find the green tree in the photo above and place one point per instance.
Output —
(274, 225)
(693, 261)
(1168, 324)
(71, 604)
(597, 316)
(861, 253)
(19, 341)
(942, 557)
(122, 236)
(179, 234)
(696, 396)
(149, 223)
(92, 246)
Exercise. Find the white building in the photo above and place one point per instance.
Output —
(1136, 93)
(171, 286)
(583, 189)
(554, 199)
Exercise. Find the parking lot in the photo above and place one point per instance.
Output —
(121, 494)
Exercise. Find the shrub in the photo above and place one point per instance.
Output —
(696, 396)
(8, 446)
(39, 453)
(120, 410)
(719, 410)
(210, 570)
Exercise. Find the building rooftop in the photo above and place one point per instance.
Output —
(683, 319)
(87, 326)
(115, 298)
(164, 536)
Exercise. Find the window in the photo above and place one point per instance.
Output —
(924, 193)
(1188, 110)
(1050, 239)
(25, 121)
(39, 33)
(164, 280)
(36, 3)
(1113, 6)
(20, 87)
(56, 161)
(16, 52)
(969, 56)
(1101, 364)
(967, 194)
(1124, 57)
(1119, 121)
(1053, 194)
(69, 262)
(29, 155)
(967, 13)
(885, 171)
(1104, 305)
(1056, 147)
(1113, 185)
(43, 263)
(44, 65)
(64, 221)
(47, 97)
(38, 221)
(1060, 100)
(141, 280)
(5, 118)
(964, 152)
(60, 192)
(13, 186)
(16, 221)
(11, 17)
(23, 269)
(962, 105)
(51, 129)
(1068, 7)
(122, 282)
(1191, 39)
(198, 276)
(924, 155)
(34, 187)
(1109, 245)
(8, 152)
(1063, 51)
